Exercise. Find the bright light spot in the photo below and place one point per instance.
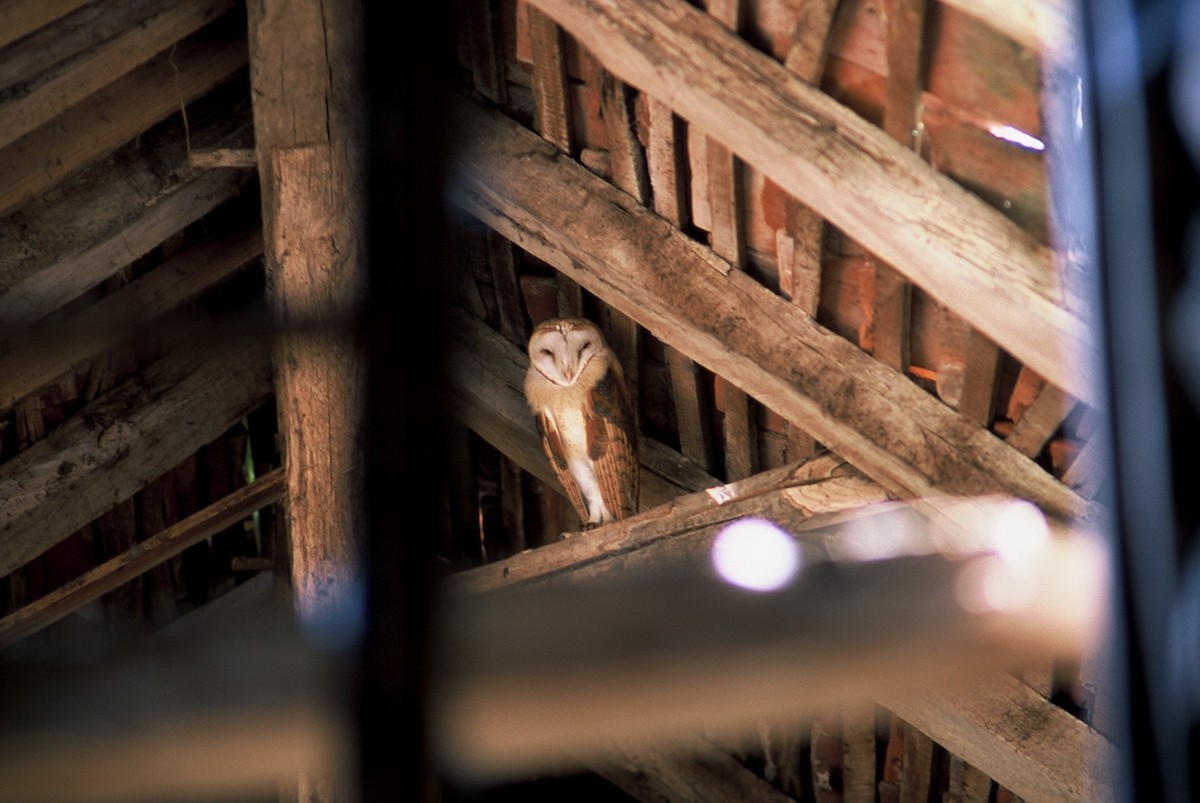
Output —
(755, 554)
(992, 584)
(1020, 531)
(1017, 137)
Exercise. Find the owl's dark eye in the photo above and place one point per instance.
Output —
(545, 353)
(586, 345)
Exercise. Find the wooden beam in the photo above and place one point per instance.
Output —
(120, 442)
(666, 161)
(1039, 25)
(121, 209)
(486, 378)
(117, 113)
(50, 349)
(20, 18)
(1008, 731)
(104, 64)
(552, 107)
(1039, 421)
(947, 241)
(142, 557)
(706, 775)
(307, 86)
(689, 298)
(818, 487)
(810, 40)
(487, 51)
(980, 373)
(858, 752)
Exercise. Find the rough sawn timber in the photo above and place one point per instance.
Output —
(690, 299)
(140, 558)
(120, 443)
(944, 239)
(107, 215)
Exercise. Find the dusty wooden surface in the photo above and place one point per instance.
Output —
(120, 443)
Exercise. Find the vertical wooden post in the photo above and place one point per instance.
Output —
(307, 88)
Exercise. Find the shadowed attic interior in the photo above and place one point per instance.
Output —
(753, 270)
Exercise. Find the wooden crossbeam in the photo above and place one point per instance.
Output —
(1037, 24)
(120, 210)
(141, 558)
(46, 351)
(121, 442)
(945, 240)
(104, 64)
(117, 113)
(689, 298)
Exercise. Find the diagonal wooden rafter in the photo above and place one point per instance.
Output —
(690, 299)
(945, 240)
(121, 442)
(34, 163)
(111, 213)
(104, 64)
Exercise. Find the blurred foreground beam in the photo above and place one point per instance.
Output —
(570, 657)
(220, 705)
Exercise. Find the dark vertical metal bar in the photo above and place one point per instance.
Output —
(406, 232)
(1133, 357)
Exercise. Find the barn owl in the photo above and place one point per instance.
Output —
(576, 390)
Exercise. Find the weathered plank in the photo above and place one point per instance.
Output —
(107, 215)
(980, 373)
(307, 87)
(947, 241)
(44, 352)
(117, 113)
(121, 442)
(706, 775)
(1037, 24)
(666, 161)
(1009, 732)
(689, 298)
(552, 108)
(19, 18)
(487, 52)
(1039, 421)
(967, 784)
(142, 557)
(104, 64)
(810, 40)
(918, 766)
(858, 752)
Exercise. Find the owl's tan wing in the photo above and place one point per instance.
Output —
(612, 443)
(552, 445)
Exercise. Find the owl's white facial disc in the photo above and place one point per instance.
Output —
(560, 354)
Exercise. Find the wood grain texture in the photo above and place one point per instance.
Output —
(106, 216)
(117, 113)
(319, 376)
(104, 64)
(858, 752)
(706, 775)
(46, 351)
(120, 442)
(552, 108)
(690, 299)
(938, 235)
(1012, 734)
(141, 558)
(19, 18)
(1039, 421)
